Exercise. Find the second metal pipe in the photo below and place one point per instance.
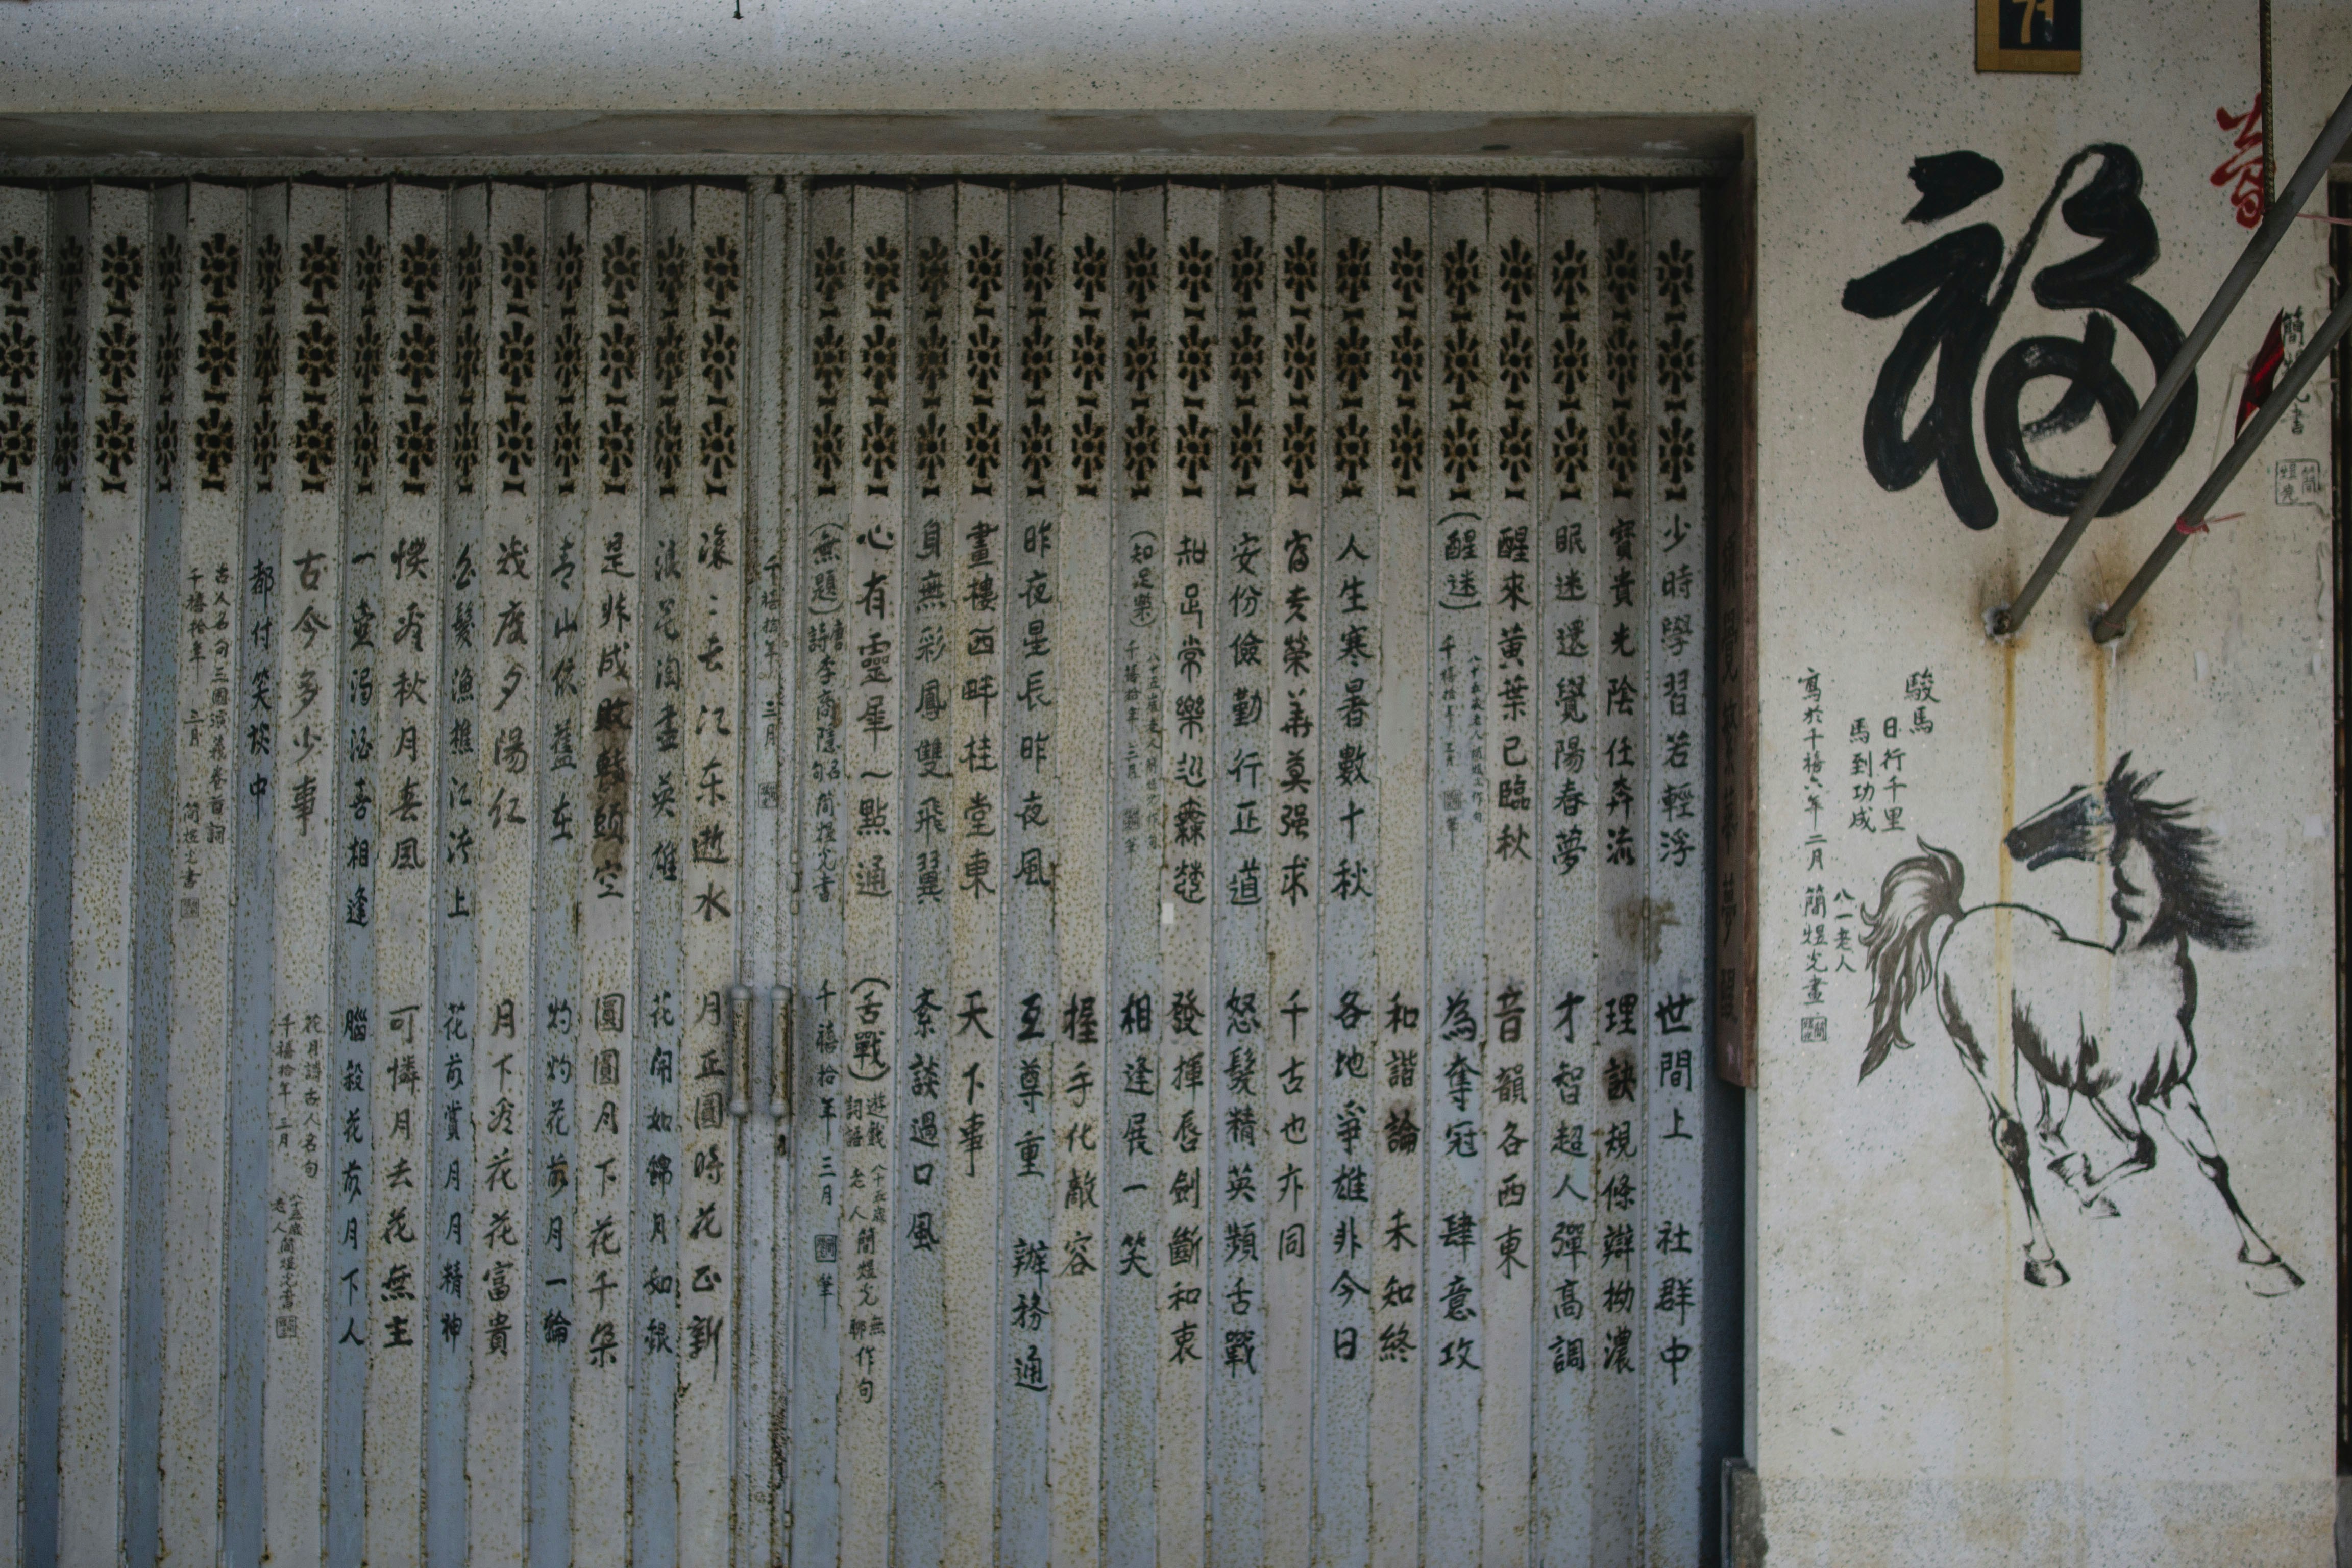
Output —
(2110, 622)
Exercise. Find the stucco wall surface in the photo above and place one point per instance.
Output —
(1916, 1398)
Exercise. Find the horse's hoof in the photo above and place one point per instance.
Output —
(2100, 1207)
(2073, 1169)
(2271, 1277)
(2045, 1272)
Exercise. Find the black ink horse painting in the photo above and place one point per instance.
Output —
(2113, 1024)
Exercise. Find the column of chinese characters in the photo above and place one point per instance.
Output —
(713, 894)
(1675, 1017)
(207, 659)
(1059, 1206)
(609, 622)
(879, 559)
(1341, 1036)
(452, 1022)
(363, 578)
(817, 927)
(1000, 1273)
(1813, 1028)
(563, 829)
(664, 787)
(1000, 824)
(510, 776)
(1569, 894)
(564, 823)
(1244, 694)
(1292, 1169)
(1134, 618)
(1392, 1237)
(393, 826)
(1875, 780)
(1460, 853)
(1614, 1113)
(356, 536)
(408, 794)
(918, 1266)
(203, 821)
(1512, 1004)
(306, 842)
(1187, 619)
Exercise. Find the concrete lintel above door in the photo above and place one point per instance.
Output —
(554, 144)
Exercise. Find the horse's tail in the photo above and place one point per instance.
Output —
(1918, 893)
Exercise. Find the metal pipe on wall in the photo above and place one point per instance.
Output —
(2109, 624)
(2007, 619)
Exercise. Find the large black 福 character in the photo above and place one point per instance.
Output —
(2109, 210)
(1955, 324)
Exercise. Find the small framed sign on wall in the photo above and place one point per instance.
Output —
(2030, 36)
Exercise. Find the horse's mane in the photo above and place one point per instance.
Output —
(2192, 903)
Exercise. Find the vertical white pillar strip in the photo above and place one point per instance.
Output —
(147, 1133)
(300, 342)
(27, 291)
(1139, 336)
(916, 838)
(565, 825)
(1675, 851)
(830, 480)
(790, 494)
(1135, 567)
(1461, 694)
(507, 738)
(462, 1009)
(768, 403)
(1077, 778)
(655, 1169)
(875, 566)
(968, 779)
(351, 816)
(714, 714)
(1228, 1046)
(1567, 918)
(935, 313)
(204, 830)
(1035, 1164)
(106, 776)
(406, 849)
(204, 826)
(1619, 568)
(981, 1016)
(247, 1266)
(1297, 1074)
(613, 570)
(249, 1241)
(67, 325)
(1401, 931)
(1346, 1037)
(1507, 1252)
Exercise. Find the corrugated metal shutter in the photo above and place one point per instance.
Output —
(1185, 706)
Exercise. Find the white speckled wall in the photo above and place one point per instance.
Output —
(1913, 1395)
